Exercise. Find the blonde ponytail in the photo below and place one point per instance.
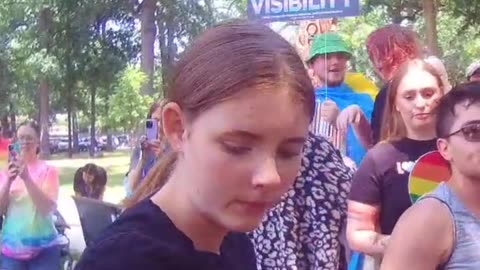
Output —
(154, 180)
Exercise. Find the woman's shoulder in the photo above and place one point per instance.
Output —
(125, 250)
(319, 146)
(141, 238)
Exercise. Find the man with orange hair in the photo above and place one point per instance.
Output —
(388, 47)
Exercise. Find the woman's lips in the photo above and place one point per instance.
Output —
(255, 206)
(422, 116)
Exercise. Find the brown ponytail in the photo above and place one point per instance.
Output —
(154, 180)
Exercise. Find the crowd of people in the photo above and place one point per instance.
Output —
(270, 161)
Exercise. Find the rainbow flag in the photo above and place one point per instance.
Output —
(428, 172)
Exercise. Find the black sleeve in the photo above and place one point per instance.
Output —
(377, 114)
(124, 251)
(367, 181)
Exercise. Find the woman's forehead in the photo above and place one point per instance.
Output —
(262, 110)
(26, 130)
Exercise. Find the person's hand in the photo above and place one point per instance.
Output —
(13, 171)
(329, 111)
(350, 115)
(149, 146)
(24, 173)
(155, 146)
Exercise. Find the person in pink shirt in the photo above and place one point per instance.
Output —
(28, 194)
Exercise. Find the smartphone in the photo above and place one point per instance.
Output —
(151, 128)
(13, 151)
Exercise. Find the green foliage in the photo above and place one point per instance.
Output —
(460, 46)
(457, 31)
(94, 45)
(355, 32)
(128, 107)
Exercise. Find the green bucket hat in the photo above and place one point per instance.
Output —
(327, 43)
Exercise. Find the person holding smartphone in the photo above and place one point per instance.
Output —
(147, 151)
(28, 193)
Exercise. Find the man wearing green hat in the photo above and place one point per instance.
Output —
(342, 104)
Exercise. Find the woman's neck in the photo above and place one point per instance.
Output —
(29, 160)
(205, 234)
(423, 135)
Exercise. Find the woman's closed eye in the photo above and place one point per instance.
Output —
(289, 153)
(235, 149)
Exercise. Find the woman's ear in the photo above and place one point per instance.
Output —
(173, 124)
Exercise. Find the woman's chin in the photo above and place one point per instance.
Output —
(244, 224)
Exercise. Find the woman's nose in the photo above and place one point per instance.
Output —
(266, 174)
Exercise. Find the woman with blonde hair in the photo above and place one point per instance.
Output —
(379, 193)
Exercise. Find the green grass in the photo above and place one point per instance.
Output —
(115, 163)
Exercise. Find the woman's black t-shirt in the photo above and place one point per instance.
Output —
(145, 238)
(382, 178)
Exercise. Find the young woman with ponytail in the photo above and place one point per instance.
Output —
(236, 119)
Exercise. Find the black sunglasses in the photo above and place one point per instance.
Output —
(470, 132)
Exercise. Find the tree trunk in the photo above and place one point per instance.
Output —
(75, 132)
(395, 10)
(148, 30)
(109, 141)
(13, 118)
(430, 14)
(69, 120)
(44, 25)
(91, 149)
(168, 48)
(5, 126)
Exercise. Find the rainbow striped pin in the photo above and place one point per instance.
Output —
(428, 172)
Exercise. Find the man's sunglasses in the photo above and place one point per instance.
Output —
(470, 131)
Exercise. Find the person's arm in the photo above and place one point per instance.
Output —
(116, 252)
(355, 116)
(362, 229)
(136, 174)
(137, 163)
(43, 197)
(363, 131)
(422, 239)
(363, 216)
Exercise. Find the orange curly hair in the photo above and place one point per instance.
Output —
(390, 46)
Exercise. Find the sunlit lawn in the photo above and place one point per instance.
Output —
(116, 164)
